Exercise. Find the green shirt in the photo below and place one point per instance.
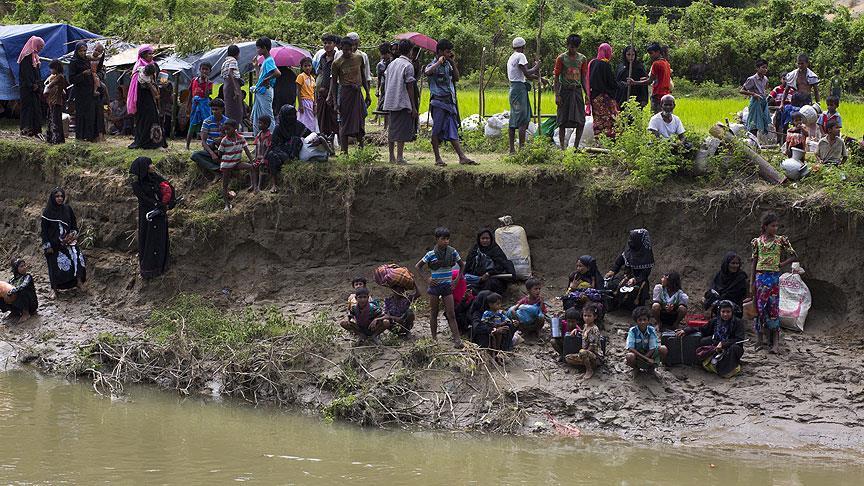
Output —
(569, 71)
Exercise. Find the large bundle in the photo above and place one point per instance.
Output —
(514, 242)
(795, 299)
(393, 276)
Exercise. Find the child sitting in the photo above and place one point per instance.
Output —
(589, 355)
(440, 261)
(796, 136)
(670, 302)
(496, 323)
(529, 313)
(231, 150)
(262, 146)
(644, 351)
(18, 296)
(366, 319)
(356, 284)
(398, 312)
(832, 149)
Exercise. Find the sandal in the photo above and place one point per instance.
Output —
(440, 163)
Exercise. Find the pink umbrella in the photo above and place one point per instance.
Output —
(419, 40)
(288, 55)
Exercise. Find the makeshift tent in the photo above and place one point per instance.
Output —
(59, 40)
(246, 60)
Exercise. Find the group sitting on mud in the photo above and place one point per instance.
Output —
(472, 296)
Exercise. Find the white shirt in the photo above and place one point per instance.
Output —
(513, 72)
(367, 72)
(666, 130)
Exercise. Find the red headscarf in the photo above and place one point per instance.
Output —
(33, 46)
(604, 53)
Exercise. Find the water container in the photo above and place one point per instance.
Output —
(514, 242)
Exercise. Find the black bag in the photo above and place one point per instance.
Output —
(680, 350)
(572, 344)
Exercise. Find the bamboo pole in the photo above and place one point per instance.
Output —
(482, 93)
(630, 69)
(540, 71)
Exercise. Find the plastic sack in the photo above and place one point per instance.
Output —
(527, 314)
(425, 119)
(514, 242)
(497, 121)
(491, 132)
(795, 299)
(471, 123)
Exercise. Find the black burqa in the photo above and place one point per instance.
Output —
(152, 233)
(488, 259)
(285, 91)
(602, 79)
(479, 331)
(640, 92)
(23, 291)
(731, 286)
(730, 333)
(86, 103)
(65, 260)
(30, 81)
(287, 139)
(146, 116)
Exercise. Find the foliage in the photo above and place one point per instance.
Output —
(360, 157)
(540, 150)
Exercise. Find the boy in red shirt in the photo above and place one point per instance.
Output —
(660, 77)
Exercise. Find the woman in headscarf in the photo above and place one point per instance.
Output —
(583, 287)
(97, 65)
(637, 260)
(30, 83)
(721, 347)
(19, 295)
(141, 103)
(152, 218)
(232, 94)
(66, 266)
(485, 260)
(81, 78)
(286, 143)
(479, 332)
(601, 92)
(624, 72)
(730, 283)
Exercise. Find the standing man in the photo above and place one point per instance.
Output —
(443, 75)
(348, 78)
(399, 102)
(367, 70)
(264, 87)
(660, 77)
(323, 63)
(520, 107)
(571, 70)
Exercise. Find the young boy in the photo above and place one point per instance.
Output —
(357, 283)
(518, 73)
(833, 102)
(366, 320)
(442, 74)
(262, 145)
(644, 351)
(166, 103)
(589, 355)
(500, 326)
(571, 72)
(55, 95)
(535, 323)
(832, 149)
(758, 117)
(660, 77)
(231, 150)
(306, 96)
(804, 81)
(398, 312)
(211, 132)
(836, 84)
(198, 103)
(440, 261)
(386, 57)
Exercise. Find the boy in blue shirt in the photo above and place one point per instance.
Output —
(440, 261)
(644, 351)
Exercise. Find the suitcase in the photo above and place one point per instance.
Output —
(680, 350)
(572, 344)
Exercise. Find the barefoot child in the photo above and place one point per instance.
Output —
(670, 302)
(306, 96)
(398, 312)
(644, 351)
(366, 320)
(589, 355)
(18, 297)
(262, 146)
(533, 310)
(497, 324)
(440, 261)
(769, 250)
(356, 284)
(231, 150)
(796, 136)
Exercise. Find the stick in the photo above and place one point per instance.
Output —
(539, 71)
(482, 94)
(630, 69)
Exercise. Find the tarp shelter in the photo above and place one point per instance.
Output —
(246, 60)
(59, 40)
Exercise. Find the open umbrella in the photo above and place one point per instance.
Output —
(420, 40)
(288, 55)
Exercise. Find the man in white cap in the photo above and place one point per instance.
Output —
(367, 70)
(520, 107)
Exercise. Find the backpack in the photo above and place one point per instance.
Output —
(167, 195)
(391, 275)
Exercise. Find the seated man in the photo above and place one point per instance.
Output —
(724, 336)
(644, 351)
(832, 149)
(366, 319)
(666, 124)
(211, 135)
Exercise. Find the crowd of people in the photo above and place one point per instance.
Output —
(471, 293)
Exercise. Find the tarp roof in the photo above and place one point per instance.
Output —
(59, 40)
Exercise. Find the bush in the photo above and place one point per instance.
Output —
(540, 150)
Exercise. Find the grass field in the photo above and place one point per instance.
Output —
(696, 113)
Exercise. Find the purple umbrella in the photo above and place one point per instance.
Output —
(288, 55)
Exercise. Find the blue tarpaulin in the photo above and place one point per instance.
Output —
(59, 40)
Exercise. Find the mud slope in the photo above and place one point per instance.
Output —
(337, 221)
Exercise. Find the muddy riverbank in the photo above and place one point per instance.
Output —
(296, 251)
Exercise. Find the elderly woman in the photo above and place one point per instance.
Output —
(486, 260)
(30, 83)
(18, 296)
(721, 347)
(66, 265)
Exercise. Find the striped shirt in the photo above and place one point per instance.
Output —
(213, 128)
(444, 274)
(231, 151)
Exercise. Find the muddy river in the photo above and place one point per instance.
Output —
(55, 431)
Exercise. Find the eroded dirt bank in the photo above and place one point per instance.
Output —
(297, 250)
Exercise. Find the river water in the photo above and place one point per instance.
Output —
(55, 431)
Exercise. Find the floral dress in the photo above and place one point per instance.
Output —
(768, 253)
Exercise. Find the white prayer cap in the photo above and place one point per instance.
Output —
(353, 35)
(518, 42)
